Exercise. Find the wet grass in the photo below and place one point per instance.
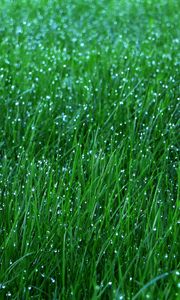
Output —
(89, 99)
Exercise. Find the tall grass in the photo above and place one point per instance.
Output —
(89, 148)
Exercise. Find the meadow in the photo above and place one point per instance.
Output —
(89, 149)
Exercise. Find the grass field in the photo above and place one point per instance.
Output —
(89, 150)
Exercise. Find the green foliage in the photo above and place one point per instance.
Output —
(89, 110)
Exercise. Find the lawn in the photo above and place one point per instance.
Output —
(89, 149)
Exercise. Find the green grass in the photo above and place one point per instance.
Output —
(89, 149)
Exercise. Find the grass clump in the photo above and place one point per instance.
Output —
(89, 101)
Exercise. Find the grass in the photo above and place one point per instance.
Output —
(89, 109)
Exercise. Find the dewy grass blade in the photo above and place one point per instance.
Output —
(151, 282)
(118, 104)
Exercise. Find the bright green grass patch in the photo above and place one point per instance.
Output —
(89, 148)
